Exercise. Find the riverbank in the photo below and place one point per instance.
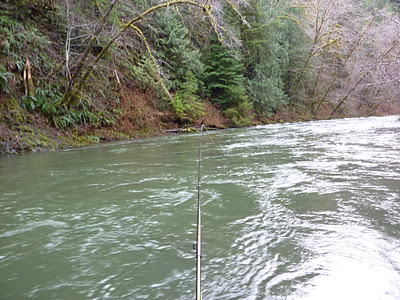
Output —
(71, 75)
(21, 131)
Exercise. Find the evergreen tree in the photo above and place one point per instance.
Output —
(223, 77)
(226, 84)
(267, 55)
(174, 51)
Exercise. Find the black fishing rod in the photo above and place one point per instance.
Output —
(198, 240)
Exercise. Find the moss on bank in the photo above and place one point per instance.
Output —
(24, 132)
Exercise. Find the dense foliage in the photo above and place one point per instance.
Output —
(71, 61)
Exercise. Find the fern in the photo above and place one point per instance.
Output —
(4, 76)
(3, 83)
(19, 42)
(29, 103)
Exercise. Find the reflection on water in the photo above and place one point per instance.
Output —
(292, 211)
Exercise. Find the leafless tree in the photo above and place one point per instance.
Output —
(357, 69)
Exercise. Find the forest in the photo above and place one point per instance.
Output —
(79, 71)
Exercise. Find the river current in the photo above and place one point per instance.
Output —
(290, 211)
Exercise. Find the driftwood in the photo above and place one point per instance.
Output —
(189, 129)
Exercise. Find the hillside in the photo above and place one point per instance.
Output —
(74, 72)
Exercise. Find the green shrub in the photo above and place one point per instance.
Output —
(240, 114)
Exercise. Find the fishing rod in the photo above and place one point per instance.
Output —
(198, 239)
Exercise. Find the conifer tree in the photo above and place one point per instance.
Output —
(226, 84)
(223, 77)
(174, 52)
(267, 54)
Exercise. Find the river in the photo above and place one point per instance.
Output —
(290, 211)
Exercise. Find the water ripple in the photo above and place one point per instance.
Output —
(290, 211)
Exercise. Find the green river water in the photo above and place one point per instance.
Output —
(290, 211)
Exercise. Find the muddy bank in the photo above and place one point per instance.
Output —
(21, 131)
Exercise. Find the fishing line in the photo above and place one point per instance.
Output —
(218, 147)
